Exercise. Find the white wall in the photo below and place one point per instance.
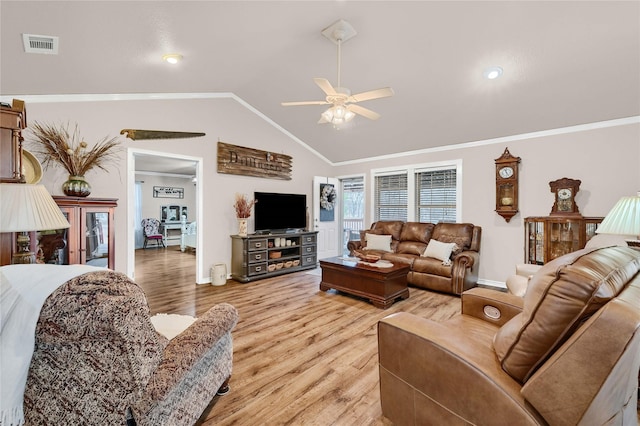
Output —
(605, 159)
(221, 119)
(151, 205)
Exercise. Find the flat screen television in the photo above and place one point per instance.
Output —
(279, 212)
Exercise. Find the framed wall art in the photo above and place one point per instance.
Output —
(167, 192)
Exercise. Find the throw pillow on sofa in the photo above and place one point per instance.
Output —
(440, 251)
(459, 233)
(378, 242)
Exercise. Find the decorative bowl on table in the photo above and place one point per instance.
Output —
(368, 257)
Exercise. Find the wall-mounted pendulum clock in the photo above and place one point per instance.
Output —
(565, 191)
(507, 185)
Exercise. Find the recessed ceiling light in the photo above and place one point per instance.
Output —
(172, 58)
(492, 73)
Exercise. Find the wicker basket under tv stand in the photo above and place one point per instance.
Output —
(253, 255)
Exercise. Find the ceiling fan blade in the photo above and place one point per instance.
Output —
(324, 84)
(304, 103)
(371, 115)
(372, 94)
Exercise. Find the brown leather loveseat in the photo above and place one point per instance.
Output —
(410, 241)
(567, 353)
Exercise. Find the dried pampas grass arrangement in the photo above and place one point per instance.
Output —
(58, 145)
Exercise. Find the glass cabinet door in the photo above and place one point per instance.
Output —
(591, 224)
(549, 237)
(535, 249)
(564, 237)
(96, 234)
(54, 246)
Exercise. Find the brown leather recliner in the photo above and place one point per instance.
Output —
(567, 353)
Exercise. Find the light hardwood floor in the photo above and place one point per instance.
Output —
(301, 356)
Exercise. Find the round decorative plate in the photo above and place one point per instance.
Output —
(31, 167)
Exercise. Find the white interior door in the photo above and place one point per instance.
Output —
(326, 215)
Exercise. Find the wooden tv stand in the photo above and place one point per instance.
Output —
(253, 256)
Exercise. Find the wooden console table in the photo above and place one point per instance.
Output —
(254, 257)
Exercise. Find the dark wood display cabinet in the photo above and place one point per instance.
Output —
(256, 257)
(12, 121)
(91, 238)
(549, 237)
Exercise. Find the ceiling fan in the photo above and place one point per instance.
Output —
(343, 103)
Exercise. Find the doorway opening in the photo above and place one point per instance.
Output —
(157, 180)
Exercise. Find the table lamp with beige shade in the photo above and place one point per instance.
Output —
(25, 208)
(624, 219)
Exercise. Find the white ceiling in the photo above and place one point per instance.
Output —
(565, 62)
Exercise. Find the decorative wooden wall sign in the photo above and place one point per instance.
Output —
(238, 160)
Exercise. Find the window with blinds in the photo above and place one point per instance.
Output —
(435, 196)
(391, 197)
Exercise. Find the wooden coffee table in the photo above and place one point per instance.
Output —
(382, 286)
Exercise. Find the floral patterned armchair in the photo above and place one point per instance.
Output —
(151, 232)
(99, 360)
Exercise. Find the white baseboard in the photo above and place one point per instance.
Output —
(489, 283)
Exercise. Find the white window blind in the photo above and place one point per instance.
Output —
(436, 196)
(391, 197)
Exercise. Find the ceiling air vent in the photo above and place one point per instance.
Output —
(40, 44)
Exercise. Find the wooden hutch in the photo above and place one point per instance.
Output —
(12, 120)
(548, 237)
(90, 239)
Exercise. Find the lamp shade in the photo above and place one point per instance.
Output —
(25, 207)
(623, 219)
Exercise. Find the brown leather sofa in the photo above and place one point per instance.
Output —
(408, 243)
(568, 353)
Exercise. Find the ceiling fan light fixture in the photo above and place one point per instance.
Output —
(337, 114)
(343, 104)
(492, 73)
(348, 116)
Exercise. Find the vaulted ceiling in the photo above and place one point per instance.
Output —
(565, 62)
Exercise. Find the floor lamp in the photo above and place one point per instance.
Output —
(623, 219)
(25, 208)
